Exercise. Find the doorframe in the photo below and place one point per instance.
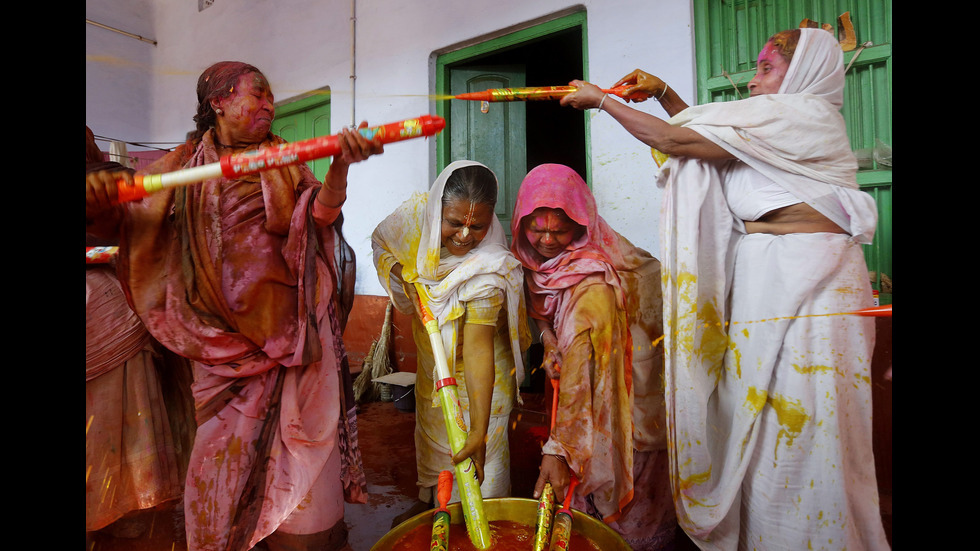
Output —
(444, 62)
(303, 102)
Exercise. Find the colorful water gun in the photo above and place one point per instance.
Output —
(441, 516)
(250, 162)
(546, 503)
(100, 255)
(534, 93)
(469, 486)
(562, 530)
(875, 311)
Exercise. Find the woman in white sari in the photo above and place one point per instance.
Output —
(450, 240)
(768, 387)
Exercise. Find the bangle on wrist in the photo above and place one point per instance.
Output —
(602, 101)
(662, 93)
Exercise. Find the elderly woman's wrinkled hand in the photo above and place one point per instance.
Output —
(641, 86)
(554, 469)
(101, 190)
(354, 147)
(413, 295)
(551, 359)
(586, 96)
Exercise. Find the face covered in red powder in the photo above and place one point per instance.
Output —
(550, 230)
(247, 113)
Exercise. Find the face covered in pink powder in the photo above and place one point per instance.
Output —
(770, 71)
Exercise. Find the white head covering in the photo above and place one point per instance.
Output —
(412, 236)
(797, 136)
(433, 261)
(817, 68)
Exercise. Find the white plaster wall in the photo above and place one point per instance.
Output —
(304, 45)
(118, 71)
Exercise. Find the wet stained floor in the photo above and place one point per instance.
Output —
(388, 448)
(385, 435)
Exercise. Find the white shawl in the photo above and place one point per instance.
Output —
(797, 138)
(412, 236)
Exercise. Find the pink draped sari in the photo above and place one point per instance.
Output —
(236, 276)
(130, 457)
(602, 297)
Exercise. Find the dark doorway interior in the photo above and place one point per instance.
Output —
(555, 134)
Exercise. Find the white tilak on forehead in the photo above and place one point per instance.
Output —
(469, 220)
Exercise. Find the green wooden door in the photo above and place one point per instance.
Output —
(304, 119)
(497, 137)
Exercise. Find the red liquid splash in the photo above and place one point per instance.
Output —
(507, 536)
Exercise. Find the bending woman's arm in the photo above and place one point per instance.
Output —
(551, 358)
(478, 369)
(651, 130)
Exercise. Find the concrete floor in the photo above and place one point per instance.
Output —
(388, 449)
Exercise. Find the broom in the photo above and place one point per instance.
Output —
(376, 364)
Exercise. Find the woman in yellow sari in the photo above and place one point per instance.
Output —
(450, 240)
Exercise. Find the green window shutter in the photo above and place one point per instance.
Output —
(728, 37)
(303, 119)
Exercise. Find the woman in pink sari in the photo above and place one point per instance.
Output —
(133, 458)
(596, 299)
(250, 279)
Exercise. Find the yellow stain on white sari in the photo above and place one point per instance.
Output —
(701, 330)
(813, 369)
(686, 483)
(737, 355)
(755, 400)
(791, 416)
(859, 378)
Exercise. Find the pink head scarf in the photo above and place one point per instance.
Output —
(599, 250)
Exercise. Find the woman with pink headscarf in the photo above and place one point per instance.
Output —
(596, 300)
(768, 389)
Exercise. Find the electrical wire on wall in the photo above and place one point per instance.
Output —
(125, 33)
(166, 146)
(119, 152)
(353, 63)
